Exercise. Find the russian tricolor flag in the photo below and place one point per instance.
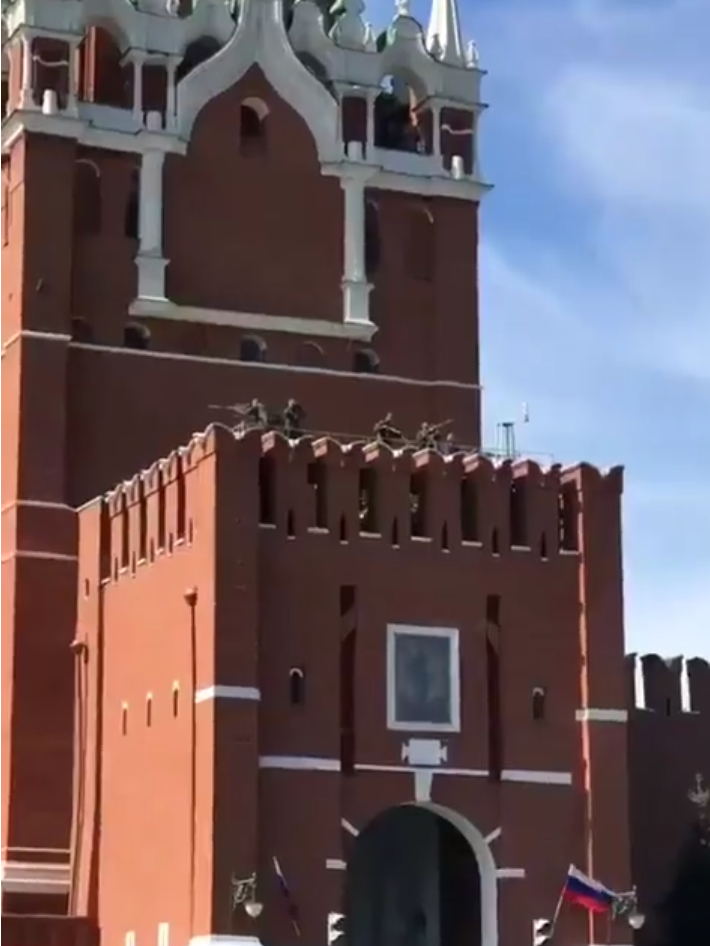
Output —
(586, 892)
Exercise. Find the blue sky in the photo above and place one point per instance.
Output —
(596, 269)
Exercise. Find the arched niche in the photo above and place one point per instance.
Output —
(396, 118)
(421, 873)
(195, 54)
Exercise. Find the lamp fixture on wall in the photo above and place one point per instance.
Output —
(244, 894)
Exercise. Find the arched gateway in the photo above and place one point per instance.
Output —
(421, 875)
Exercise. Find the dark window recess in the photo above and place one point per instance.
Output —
(136, 337)
(539, 701)
(445, 538)
(161, 513)
(347, 704)
(297, 686)
(419, 245)
(343, 530)
(252, 131)
(469, 511)
(252, 350)
(495, 542)
(318, 481)
(568, 517)
(290, 524)
(543, 546)
(196, 53)
(368, 501)
(395, 533)
(181, 505)
(132, 213)
(347, 599)
(418, 501)
(142, 525)
(267, 491)
(81, 331)
(518, 513)
(493, 610)
(365, 362)
(495, 729)
(87, 199)
(125, 537)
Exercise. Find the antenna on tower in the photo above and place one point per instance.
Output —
(506, 446)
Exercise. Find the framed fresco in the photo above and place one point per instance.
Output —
(423, 679)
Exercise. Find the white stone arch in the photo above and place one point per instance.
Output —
(261, 39)
(487, 869)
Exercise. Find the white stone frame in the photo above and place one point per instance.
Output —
(411, 630)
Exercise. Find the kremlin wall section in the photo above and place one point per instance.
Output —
(244, 566)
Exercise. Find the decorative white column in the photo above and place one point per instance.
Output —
(171, 95)
(138, 60)
(436, 131)
(72, 108)
(26, 100)
(150, 261)
(370, 123)
(356, 288)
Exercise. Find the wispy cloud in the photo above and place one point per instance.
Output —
(596, 268)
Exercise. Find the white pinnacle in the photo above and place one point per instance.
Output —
(444, 33)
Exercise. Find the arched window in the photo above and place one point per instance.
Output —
(252, 349)
(136, 336)
(87, 198)
(81, 330)
(365, 362)
(372, 239)
(195, 54)
(539, 700)
(395, 127)
(252, 127)
(297, 686)
(419, 244)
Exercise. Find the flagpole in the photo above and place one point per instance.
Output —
(560, 901)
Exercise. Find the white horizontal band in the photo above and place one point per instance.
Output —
(224, 692)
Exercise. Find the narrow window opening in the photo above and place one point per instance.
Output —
(445, 537)
(343, 529)
(495, 542)
(469, 511)
(125, 536)
(124, 719)
(81, 331)
(176, 700)
(297, 686)
(142, 523)
(669, 706)
(419, 244)
(418, 489)
(161, 512)
(290, 525)
(347, 599)
(495, 747)
(252, 350)
(366, 362)
(395, 533)
(181, 504)
(196, 53)
(318, 481)
(372, 239)
(87, 198)
(136, 337)
(543, 546)
(568, 508)
(493, 610)
(518, 513)
(368, 501)
(149, 711)
(267, 491)
(252, 129)
(347, 703)
(132, 213)
(539, 699)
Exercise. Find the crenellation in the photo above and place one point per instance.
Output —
(318, 487)
(668, 687)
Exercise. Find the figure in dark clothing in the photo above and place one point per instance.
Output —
(386, 432)
(293, 417)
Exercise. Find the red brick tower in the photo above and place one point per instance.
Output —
(200, 208)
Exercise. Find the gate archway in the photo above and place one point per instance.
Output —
(421, 875)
